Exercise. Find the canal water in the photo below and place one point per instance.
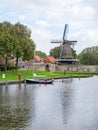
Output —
(68, 105)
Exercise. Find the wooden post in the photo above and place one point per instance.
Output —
(39, 82)
(25, 82)
(79, 76)
(6, 83)
(62, 79)
(71, 77)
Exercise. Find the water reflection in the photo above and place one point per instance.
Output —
(16, 106)
(84, 104)
(66, 99)
(67, 105)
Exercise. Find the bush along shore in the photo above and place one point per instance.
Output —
(16, 75)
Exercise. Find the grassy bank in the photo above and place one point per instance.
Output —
(13, 74)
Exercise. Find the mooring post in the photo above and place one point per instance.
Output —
(62, 79)
(39, 82)
(25, 82)
(6, 83)
(79, 76)
(71, 76)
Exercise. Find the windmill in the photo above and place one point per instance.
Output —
(66, 51)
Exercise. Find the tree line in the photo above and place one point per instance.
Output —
(16, 41)
(88, 56)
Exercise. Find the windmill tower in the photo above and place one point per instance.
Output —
(66, 51)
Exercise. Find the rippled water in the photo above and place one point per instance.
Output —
(71, 105)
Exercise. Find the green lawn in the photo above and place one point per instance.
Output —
(13, 74)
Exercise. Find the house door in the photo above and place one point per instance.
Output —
(47, 68)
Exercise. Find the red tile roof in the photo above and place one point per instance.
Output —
(37, 58)
(49, 59)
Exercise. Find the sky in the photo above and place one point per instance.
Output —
(47, 18)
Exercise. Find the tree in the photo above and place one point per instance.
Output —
(23, 45)
(88, 58)
(55, 52)
(74, 54)
(40, 53)
(15, 40)
(5, 41)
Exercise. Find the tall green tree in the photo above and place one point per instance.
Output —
(5, 40)
(15, 40)
(23, 44)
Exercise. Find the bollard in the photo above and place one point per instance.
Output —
(19, 76)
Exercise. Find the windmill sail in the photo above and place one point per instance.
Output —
(65, 32)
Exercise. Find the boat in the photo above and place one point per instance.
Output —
(39, 81)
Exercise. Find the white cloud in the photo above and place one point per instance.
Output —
(42, 23)
(22, 17)
(42, 39)
(46, 18)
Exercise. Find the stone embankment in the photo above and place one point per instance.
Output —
(56, 67)
(11, 82)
